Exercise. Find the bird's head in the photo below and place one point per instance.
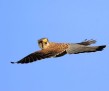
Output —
(43, 43)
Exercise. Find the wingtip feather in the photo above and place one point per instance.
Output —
(13, 62)
(100, 48)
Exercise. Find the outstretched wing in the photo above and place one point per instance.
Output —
(55, 50)
(76, 48)
(38, 55)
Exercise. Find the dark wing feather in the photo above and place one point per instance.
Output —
(61, 54)
(42, 54)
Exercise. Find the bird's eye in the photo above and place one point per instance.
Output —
(45, 42)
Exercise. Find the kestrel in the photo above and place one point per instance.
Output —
(52, 49)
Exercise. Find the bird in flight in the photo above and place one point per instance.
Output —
(52, 49)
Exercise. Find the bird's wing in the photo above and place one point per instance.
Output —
(38, 55)
(87, 42)
(76, 48)
(56, 50)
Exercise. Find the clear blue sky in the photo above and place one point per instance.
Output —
(23, 22)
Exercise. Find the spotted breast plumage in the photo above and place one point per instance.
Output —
(52, 49)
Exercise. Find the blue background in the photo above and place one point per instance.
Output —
(23, 22)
